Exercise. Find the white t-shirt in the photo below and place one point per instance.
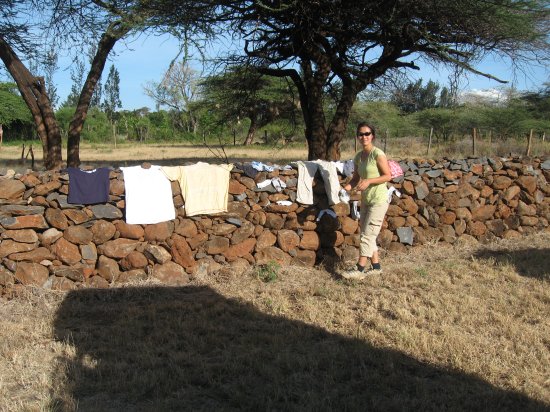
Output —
(148, 195)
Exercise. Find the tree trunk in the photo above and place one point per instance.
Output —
(34, 93)
(115, 32)
(251, 130)
(339, 123)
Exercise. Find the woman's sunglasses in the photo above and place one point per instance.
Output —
(364, 134)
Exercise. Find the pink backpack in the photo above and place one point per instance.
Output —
(395, 169)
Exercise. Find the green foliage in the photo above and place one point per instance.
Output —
(12, 105)
(268, 272)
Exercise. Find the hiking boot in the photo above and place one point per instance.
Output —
(354, 274)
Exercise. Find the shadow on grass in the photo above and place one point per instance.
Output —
(189, 348)
(533, 263)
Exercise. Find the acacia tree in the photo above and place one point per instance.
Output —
(242, 92)
(315, 42)
(71, 24)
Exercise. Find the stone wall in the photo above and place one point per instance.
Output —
(47, 242)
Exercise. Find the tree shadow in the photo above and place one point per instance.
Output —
(190, 348)
(533, 263)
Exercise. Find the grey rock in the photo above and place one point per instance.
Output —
(106, 211)
(406, 235)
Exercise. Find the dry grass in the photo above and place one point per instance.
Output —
(445, 328)
(128, 154)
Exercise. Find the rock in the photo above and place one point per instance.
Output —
(305, 258)
(240, 249)
(76, 216)
(197, 240)
(31, 274)
(98, 282)
(23, 222)
(287, 240)
(501, 182)
(182, 253)
(8, 247)
(483, 213)
(159, 232)
(134, 260)
(265, 239)
(271, 253)
(217, 245)
(107, 268)
(59, 283)
(130, 276)
(274, 221)
(106, 211)
(129, 231)
(66, 251)
(22, 235)
(102, 231)
(405, 235)
(186, 228)
(74, 273)
(78, 235)
(223, 229)
(37, 255)
(118, 248)
(11, 189)
(421, 189)
(6, 277)
(157, 253)
(244, 232)
(21, 210)
(57, 218)
(348, 225)
(171, 274)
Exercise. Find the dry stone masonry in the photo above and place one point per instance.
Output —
(50, 243)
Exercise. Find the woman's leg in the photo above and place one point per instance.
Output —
(371, 224)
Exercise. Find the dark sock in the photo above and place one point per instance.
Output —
(360, 268)
(376, 266)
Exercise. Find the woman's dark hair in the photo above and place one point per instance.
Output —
(365, 124)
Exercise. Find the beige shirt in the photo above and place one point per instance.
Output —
(204, 187)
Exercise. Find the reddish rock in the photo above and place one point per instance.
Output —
(460, 227)
(240, 249)
(527, 183)
(529, 220)
(526, 210)
(130, 276)
(24, 222)
(304, 258)
(22, 235)
(348, 226)
(78, 235)
(157, 253)
(476, 228)
(466, 190)
(129, 231)
(395, 222)
(118, 248)
(310, 241)
(271, 253)
(181, 252)
(57, 218)
(273, 207)
(159, 232)
(31, 274)
(236, 188)
(134, 260)
(411, 221)
(238, 208)
(76, 216)
(61, 284)
(7, 247)
(107, 268)
(287, 240)
(501, 182)
(197, 240)
(244, 232)
(274, 221)
(102, 231)
(89, 252)
(217, 245)
(223, 229)
(265, 239)
(409, 205)
(408, 188)
(44, 189)
(66, 251)
(484, 212)
(486, 191)
(447, 218)
(170, 274)
(37, 255)
(186, 228)
(341, 209)
(98, 282)
(116, 187)
(11, 189)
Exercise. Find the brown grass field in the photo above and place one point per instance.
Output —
(444, 328)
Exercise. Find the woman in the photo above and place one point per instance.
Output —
(369, 177)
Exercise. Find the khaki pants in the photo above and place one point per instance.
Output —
(371, 220)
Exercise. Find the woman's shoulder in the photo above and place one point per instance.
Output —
(378, 152)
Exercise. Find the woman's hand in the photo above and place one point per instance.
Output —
(347, 187)
(362, 185)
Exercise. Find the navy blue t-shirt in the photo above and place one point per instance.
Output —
(88, 187)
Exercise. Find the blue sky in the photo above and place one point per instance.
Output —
(146, 59)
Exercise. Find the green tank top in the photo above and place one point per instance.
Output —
(375, 193)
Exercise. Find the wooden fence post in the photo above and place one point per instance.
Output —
(234, 137)
(430, 141)
(385, 140)
(474, 141)
(529, 143)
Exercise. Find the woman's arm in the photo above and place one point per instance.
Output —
(385, 174)
(353, 182)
